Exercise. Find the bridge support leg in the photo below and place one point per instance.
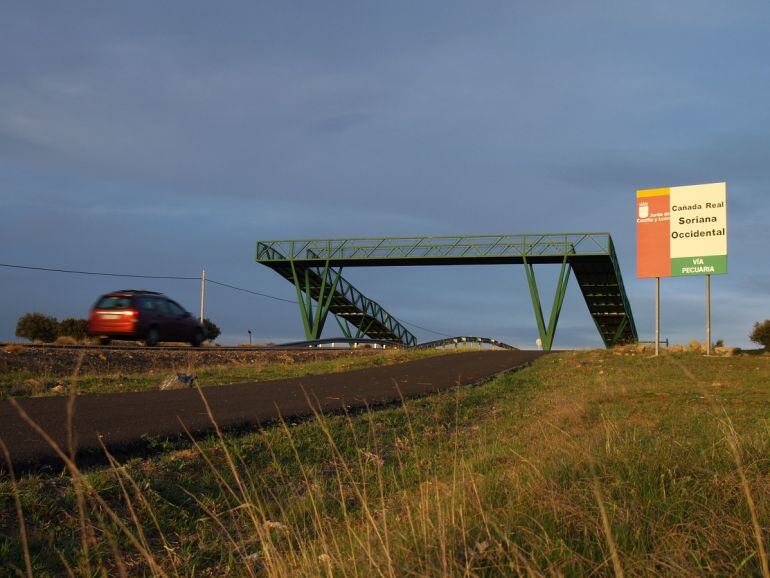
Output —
(313, 319)
(619, 332)
(547, 333)
(361, 330)
(345, 328)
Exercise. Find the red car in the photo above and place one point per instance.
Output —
(143, 315)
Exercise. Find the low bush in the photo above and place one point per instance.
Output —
(37, 327)
(211, 329)
(761, 333)
(73, 327)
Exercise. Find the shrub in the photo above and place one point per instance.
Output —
(37, 327)
(761, 334)
(211, 330)
(73, 327)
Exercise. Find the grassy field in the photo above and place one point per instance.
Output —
(27, 383)
(583, 464)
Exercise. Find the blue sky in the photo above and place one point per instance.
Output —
(160, 138)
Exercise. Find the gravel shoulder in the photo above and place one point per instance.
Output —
(55, 362)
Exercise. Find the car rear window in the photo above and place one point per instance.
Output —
(152, 304)
(175, 309)
(114, 302)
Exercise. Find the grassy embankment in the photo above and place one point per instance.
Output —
(27, 383)
(585, 463)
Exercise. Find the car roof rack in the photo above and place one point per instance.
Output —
(137, 291)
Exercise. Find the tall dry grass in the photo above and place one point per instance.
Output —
(469, 483)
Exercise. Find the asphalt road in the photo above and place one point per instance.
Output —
(124, 420)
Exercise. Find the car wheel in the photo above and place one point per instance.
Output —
(152, 337)
(197, 338)
(105, 341)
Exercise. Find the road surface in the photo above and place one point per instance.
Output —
(125, 420)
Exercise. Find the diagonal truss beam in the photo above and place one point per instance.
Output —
(619, 332)
(361, 329)
(334, 294)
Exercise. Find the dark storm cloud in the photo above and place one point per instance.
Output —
(164, 137)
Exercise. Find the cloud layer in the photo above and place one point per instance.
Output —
(162, 138)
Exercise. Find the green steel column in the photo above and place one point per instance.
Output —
(319, 308)
(361, 329)
(324, 301)
(344, 327)
(304, 312)
(535, 300)
(313, 321)
(547, 334)
(558, 300)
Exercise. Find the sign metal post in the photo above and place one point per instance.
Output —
(657, 316)
(708, 314)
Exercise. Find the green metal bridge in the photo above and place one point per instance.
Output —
(333, 294)
(309, 264)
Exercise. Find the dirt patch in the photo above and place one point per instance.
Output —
(66, 362)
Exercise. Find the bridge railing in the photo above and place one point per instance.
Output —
(622, 288)
(462, 341)
(463, 247)
(351, 342)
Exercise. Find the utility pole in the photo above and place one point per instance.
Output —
(203, 292)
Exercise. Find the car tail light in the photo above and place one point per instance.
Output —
(130, 314)
(124, 312)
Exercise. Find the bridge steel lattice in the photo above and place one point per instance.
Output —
(589, 256)
(318, 281)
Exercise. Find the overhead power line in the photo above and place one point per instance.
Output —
(423, 328)
(99, 273)
(135, 276)
(249, 291)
